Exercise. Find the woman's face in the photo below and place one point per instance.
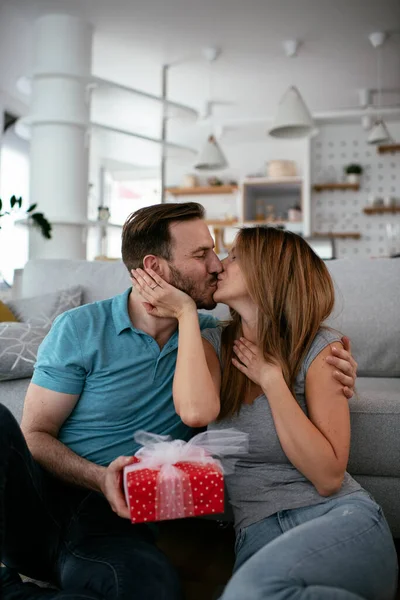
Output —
(231, 286)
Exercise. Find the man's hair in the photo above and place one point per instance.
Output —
(147, 231)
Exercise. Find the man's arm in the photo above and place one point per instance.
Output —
(45, 411)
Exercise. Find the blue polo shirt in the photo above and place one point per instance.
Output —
(123, 378)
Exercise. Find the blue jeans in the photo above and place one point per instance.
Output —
(70, 536)
(341, 549)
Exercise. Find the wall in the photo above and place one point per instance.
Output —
(339, 211)
(245, 158)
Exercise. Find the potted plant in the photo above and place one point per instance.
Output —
(353, 173)
(38, 219)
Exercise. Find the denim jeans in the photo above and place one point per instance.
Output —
(341, 549)
(70, 536)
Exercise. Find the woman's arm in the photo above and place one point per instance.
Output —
(197, 376)
(317, 446)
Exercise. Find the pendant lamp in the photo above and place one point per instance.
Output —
(379, 133)
(211, 158)
(293, 119)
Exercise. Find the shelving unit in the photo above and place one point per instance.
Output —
(331, 187)
(388, 149)
(280, 194)
(342, 235)
(295, 226)
(85, 223)
(251, 195)
(102, 228)
(222, 222)
(380, 210)
(202, 190)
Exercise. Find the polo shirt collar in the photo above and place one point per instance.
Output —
(120, 312)
(122, 321)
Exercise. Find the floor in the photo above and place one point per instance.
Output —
(206, 561)
(397, 543)
(202, 551)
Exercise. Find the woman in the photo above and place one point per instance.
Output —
(305, 529)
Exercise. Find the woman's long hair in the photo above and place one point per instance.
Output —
(294, 294)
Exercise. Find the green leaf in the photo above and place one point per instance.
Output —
(40, 221)
(19, 201)
(13, 201)
(1, 204)
(31, 208)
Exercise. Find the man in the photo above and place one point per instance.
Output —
(104, 371)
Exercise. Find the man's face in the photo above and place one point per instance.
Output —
(194, 266)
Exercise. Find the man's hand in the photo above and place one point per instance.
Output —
(161, 298)
(111, 485)
(346, 366)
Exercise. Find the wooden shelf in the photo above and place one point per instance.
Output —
(222, 223)
(343, 235)
(255, 222)
(380, 210)
(388, 149)
(321, 187)
(249, 223)
(202, 190)
(272, 181)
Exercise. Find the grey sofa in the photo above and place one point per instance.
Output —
(367, 310)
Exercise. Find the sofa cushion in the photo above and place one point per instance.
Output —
(6, 314)
(40, 311)
(12, 395)
(367, 310)
(99, 279)
(375, 426)
(19, 342)
(367, 293)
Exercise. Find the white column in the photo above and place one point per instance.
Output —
(1, 130)
(59, 116)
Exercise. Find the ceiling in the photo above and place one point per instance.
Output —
(132, 40)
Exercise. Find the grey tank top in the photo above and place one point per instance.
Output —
(265, 481)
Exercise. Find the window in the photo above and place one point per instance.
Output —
(122, 198)
(14, 180)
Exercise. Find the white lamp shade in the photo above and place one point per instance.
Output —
(211, 158)
(293, 119)
(379, 133)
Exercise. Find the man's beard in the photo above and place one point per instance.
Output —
(187, 285)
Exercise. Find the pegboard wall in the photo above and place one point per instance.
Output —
(342, 211)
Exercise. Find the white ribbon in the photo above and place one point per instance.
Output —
(174, 498)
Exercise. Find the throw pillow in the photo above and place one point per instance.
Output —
(40, 311)
(19, 343)
(6, 314)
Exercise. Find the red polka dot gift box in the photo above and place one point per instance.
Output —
(153, 496)
(174, 479)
